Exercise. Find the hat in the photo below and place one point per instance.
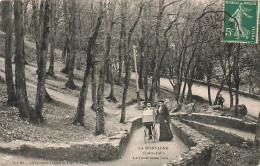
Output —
(148, 102)
(161, 100)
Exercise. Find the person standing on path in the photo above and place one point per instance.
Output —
(164, 119)
(220, 100)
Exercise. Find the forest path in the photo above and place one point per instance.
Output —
(253, 105)
(135, 149)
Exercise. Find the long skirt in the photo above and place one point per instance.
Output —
(165, 132)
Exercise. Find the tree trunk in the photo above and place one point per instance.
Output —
(257, 135)
(52, 40)
(218, 93)
(236, 78)
(93, 70)
(209, 92)
(157, 50)
(94, 87)
(79, 117)
(112, 88)
(7, 23)
(40, 96)
(229, 84)
(229, 77)
(104, 72)
(121, 48)
(128, 64)
(126, 84)
(72, 42)
(25, 111)
(66, 52)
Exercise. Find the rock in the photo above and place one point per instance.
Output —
(242, 110)
(189, 108)
(210, 110)
(216, 107)
(199, 99)
(173, 106)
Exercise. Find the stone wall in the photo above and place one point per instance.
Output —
(220, 121)
(81, 152)
(200, 146)
(219, 135)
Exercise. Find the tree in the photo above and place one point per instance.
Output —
(65, 51)
(257, 135)
(93, 69)
(40, 95)
(100, 122)
(159, 53)
(122, 40)
(53, 38)
(109, 28)
(236, 78)
(79, 117)
(25, 110)
(7, 23)
(37, 29)
(128, 63)
(72, 48)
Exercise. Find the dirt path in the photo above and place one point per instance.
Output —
(135, 154)
(253, 105)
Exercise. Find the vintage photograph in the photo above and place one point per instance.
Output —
(129, 83)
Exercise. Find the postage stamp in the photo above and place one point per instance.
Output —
(240, 21)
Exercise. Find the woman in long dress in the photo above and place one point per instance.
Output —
(164, 120)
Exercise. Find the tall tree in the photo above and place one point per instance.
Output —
(128, 62)
(65, 51)
(37, 28)
(72, 46)
(53, 38)
(110, 22)
(100, 120)
(40, 95)
(25, 110)
(122, 40)
(236, 77)
(93, 70)
(7, 23)
(79, 117)
(257, 135)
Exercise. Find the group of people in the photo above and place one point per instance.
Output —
(163, 118)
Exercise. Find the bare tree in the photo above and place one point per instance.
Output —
(65, 51)
(128, 63)
(257, 135)
(25, 110)
(122, 40)
(79, 117)
(37, 29)
(72, 49)
(53, 38)
(109, 28)
(7, 23)
(40, 95)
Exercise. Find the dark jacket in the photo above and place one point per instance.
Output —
(163, 114)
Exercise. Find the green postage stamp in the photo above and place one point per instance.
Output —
(240, 21)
